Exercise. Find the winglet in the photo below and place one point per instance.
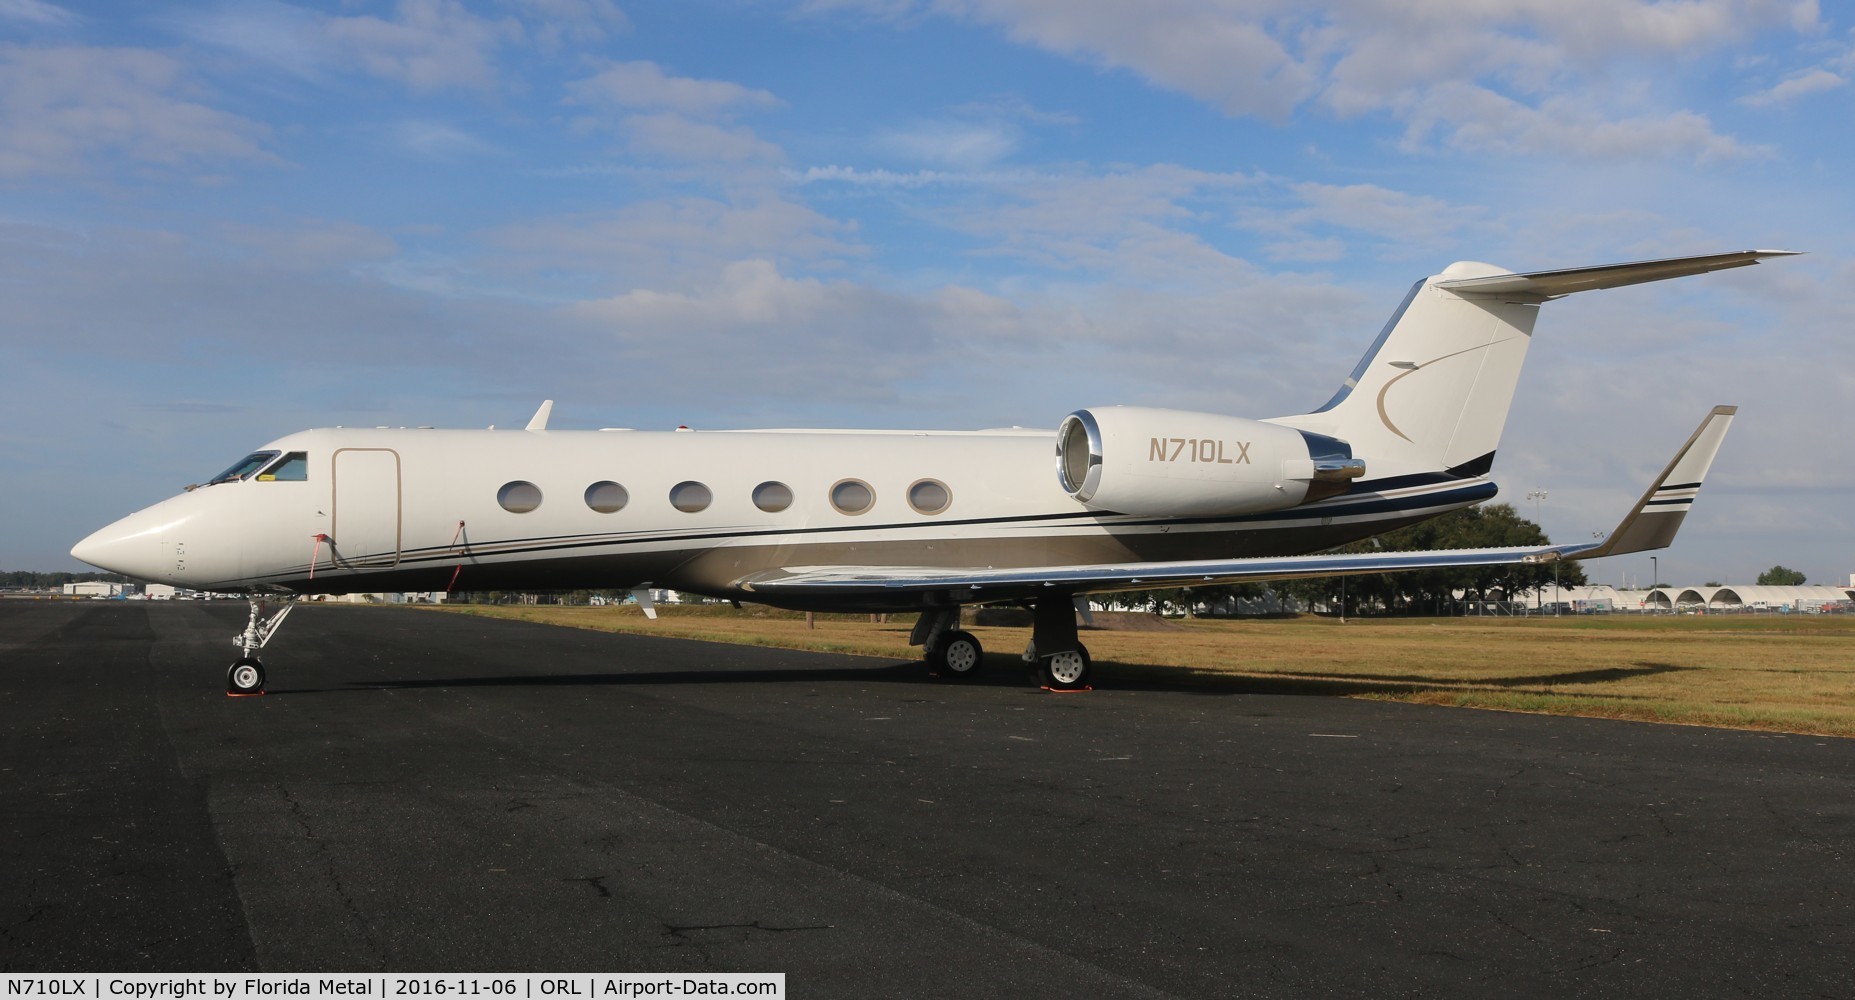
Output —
(538, 422)
(1658, 515)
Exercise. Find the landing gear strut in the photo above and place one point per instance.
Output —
(246, 675)
(1062, 661)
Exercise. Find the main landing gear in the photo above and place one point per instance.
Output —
(246, 675)
(951, 652)
(1065, 671)
(1061, 660)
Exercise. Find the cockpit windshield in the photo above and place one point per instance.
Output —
(243, 468)
(291, 468)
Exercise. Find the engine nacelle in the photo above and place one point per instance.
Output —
(1174, 463)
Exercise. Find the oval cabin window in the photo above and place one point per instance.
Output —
(607, 497)
(852, 496)
(772, 497)
(519, 497)
(929, 496)
(690, 497)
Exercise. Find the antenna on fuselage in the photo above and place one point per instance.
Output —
(539, 421)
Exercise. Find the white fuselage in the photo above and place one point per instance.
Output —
(386, 509)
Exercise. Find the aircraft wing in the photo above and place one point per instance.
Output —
(1650, 525)
(980, 585)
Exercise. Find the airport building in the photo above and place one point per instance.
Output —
(98, 588)
(429, 597)
(1808, 599)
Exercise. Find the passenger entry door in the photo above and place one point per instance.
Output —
(365, 516)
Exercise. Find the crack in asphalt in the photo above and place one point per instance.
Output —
(596, 881)
(301, 817)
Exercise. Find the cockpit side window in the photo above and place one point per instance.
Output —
(291, 468)
(244, 467)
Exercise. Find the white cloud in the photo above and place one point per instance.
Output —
(317, 246)
(559, 22)
(749, 292)
(1550, 65)
(428, 44)
(1475, 119)
(879, 178)
(1802, 84)
(678, 137)
(439, 140)
(1135, 222)
(275, 34)
(645, 86)
(675, 117)
(1011, 107)
(958, 145)
(672, 243)
(1409, 220)
(1377, 70)
(1307, 250)
(61, 109)
(1047, 349)
(251, 295)
(37, 12)
(1537, 77)
(1314, 221)
(970, 136)
(1222, 54)
(1101, 204)
(750, 332)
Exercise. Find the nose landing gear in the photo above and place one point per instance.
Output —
(246, 675)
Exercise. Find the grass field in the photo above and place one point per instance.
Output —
(1787, 673)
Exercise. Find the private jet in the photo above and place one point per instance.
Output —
(1115, 498)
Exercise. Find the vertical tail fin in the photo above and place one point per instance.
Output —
(1432, 393)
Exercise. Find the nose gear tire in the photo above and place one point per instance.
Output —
(246, 676)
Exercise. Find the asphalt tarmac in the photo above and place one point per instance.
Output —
(429, 792)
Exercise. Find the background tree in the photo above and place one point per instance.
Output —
(1429, 591)
(1780, 576)
(29, 580)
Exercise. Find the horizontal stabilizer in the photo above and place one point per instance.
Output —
(1552, 284)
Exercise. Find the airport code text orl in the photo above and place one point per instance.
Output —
(274, 986)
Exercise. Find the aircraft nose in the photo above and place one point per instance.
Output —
(130, 547)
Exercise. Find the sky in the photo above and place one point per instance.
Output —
(224, 222)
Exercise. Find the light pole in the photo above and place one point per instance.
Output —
(1655, 575)
(1536, 496)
